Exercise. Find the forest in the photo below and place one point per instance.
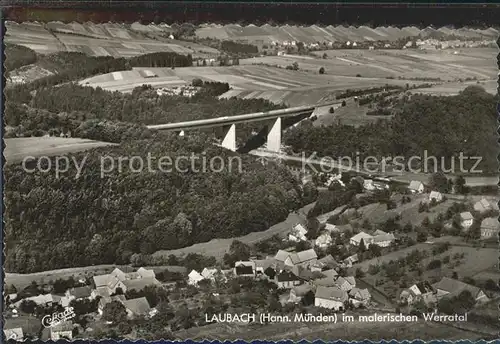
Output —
(442, 125)
(100, 220)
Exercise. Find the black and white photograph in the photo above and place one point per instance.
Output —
(169, 178)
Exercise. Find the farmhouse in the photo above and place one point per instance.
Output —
(448, 287)
(356, 239)
(331, 228)
(436, 196)
(416, 186)
(137, 307)
(331, 298)
(119, 279)
(327, 262)
(262, 264)
(466, 219)
(359, 297)
(420, 291)
(41, 300)
(489, 227)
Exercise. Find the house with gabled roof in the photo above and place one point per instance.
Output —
(436, 196)
(244, 269)
(298, 233)
(383, 240)
(105, 300)
(324, 240)
(287, 279)
(15, 333)
(303, 258)
(419, 291)
(137, 307)
(349, 261)
(79, 293)
(466, 219)
(359, 297)
(298, 292)
(345, 283)
(416, 186)
(490, 228)
(63, 330)
(331, 298)
(356, 239)
(449, 287)
(194, 278)
(482, 206)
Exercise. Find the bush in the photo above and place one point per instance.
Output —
(331, 110)
(322, 70)
(344, 103)
(197, 82)
(434, 264)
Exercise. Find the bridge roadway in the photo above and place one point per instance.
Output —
(251, 117)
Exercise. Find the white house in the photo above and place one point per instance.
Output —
(436, 195)
(356, 239)
(489, 228)
(330, 297)
(194, 278)
(416, 186)
(303, 258)
(368, 185)
(466, 219)
(324, 240)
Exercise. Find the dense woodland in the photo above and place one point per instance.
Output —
(444, 126)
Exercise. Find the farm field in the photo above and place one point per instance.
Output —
(16, 149)
(105, 39)
(293, 88)
(406, 64)
(267, 34)
(453, 88)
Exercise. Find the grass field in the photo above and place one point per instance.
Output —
(16, 149)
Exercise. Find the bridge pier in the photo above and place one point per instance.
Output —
(274, 136)
(229, 141)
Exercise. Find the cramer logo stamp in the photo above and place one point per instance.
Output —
(57, 318)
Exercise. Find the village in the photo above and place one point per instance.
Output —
(351, 259)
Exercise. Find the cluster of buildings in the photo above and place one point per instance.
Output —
(447, 287)
(109, 287)
(185, 91)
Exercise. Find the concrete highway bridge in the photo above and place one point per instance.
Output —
(272, 121)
